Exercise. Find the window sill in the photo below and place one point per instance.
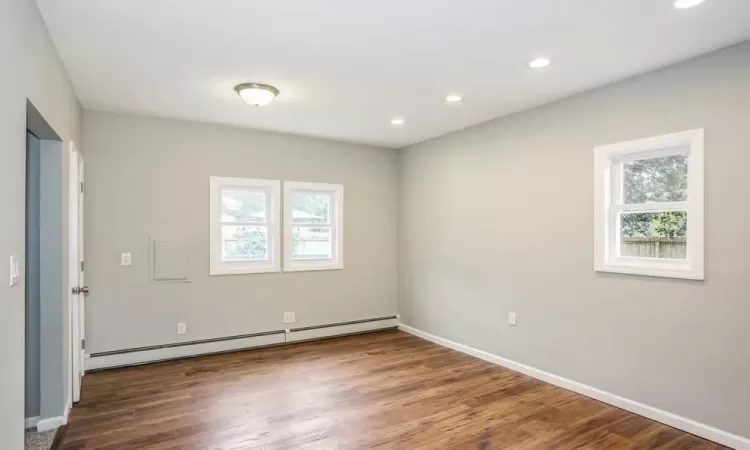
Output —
(214, 271)
(662, 271)
(311, 267)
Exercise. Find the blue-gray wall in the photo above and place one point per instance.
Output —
(53, 387)
(32, 274)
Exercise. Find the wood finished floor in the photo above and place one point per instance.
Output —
(385, 390)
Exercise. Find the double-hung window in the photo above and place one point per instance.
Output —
(313, 226)
(244, 226)
(649, 206)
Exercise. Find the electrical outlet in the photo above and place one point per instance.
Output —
(289, 317)
(181, 328)
(126, 259)
(512, 319)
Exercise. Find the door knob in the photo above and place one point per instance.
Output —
(81, 290)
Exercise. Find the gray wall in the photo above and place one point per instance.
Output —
(498, 218)
(33, 185)
(149, 178)
(31, 69)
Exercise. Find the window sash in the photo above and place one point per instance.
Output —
(650, 207)
(245, 224)
(333, 232)
(617, 207)
(331, 239)
(616, 238)
(254, 189)
(616, 168)
(314, 224)
(331, 194)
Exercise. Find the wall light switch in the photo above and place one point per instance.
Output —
(289, 317)
(15, 270)
(181, 328)
(125, 259)
(512, 319)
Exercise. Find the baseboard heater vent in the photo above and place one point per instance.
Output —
(341, 329)
(146, 355)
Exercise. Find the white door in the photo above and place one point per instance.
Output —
(78, 289)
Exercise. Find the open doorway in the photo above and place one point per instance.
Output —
(54, 325)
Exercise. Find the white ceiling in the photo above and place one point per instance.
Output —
(346, 67)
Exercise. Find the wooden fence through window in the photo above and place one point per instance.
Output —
(654, 247)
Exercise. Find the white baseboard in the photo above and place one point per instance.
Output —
(30, 422)
(52, 423)
(166, 353)
(673, 420)
(203, 348)
(337, 330)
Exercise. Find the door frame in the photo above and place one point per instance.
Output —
(75, 267)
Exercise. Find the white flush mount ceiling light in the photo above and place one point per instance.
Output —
(685, 4)
(397, 121)
(453, 98)
(256, 94)
(539, 63)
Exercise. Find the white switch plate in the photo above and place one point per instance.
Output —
(181, 328)
(289, 317)
(126, 259)
(512, 319)
(15, 270)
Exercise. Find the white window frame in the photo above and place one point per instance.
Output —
(608, 161)
(272, 188)
(336, 225)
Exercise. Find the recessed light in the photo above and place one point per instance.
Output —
(685, 4)
(256, 94)
(539, 63)
(397, 121)
(453, 98)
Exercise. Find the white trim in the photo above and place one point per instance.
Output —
(651, 207)
(30, 422)
(161, 354)
(52, 423)
(76, 331)
(336, 225)
(319, 333)
(607, 187)
(674, 420)
(272, 188)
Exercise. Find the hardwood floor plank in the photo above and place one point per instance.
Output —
(385, 390)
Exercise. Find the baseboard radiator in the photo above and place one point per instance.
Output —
(146, 355)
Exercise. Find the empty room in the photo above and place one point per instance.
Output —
(393, 224)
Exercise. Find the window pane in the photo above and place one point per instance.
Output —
(244, 243)
(311, 243)
(311, 207)
(653, 234)
(243, 205)
(655, 180)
